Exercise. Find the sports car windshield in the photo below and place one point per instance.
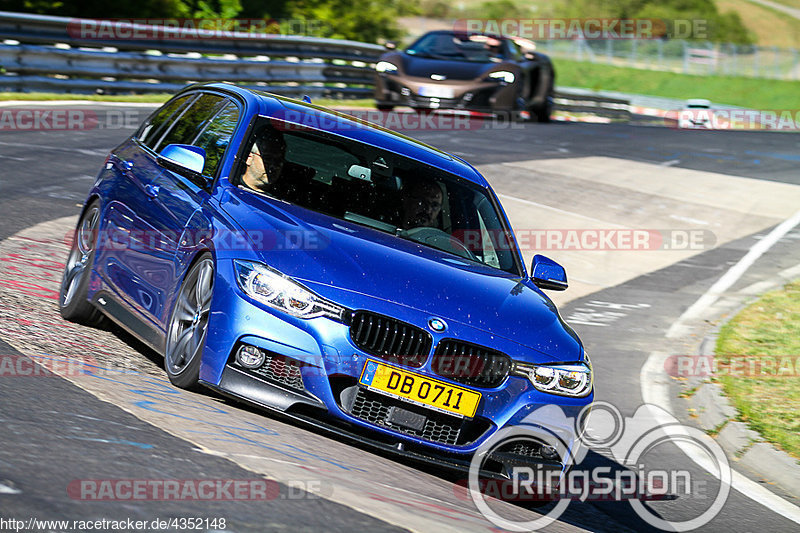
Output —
(380, 189)
(454, 47)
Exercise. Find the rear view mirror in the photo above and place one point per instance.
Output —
(359, 172)
(547, 274)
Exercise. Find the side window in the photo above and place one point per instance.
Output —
(152, 131)
(216, 137)
(186, 128)
(512, 52)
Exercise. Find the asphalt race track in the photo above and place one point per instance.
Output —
(120, 419)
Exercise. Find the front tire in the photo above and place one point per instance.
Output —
(383, 107)
(188, 325)
(72, 301)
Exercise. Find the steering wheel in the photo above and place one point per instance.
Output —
(442, 240)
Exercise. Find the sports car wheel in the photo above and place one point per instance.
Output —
(382, 107)
(186, 335)
(72, 302)
(544, 111)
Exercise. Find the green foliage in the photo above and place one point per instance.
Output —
(360, 20)
(704, 19)
(501, 9)
(100, 8)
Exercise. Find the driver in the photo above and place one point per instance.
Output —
(265, 162)
(422, 203)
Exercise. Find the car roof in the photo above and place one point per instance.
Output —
(698, 102)
(314, 116)
(464, 33)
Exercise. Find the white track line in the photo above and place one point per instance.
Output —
(557, 210)
(734, 273)
(5, 489)
(657, 390)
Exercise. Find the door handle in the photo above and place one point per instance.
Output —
(151, 190)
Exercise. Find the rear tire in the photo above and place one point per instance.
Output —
(544, 112)
(383, 107)
(188, 325)
(72, 301)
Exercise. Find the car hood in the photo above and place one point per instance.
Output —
(331, 256)
(423, 67)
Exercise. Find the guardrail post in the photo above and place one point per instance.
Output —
(756, 61)
(660, 47)
(795, 65)
(685, 57)
(776, 62)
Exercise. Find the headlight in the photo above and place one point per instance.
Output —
(503, 75)
(270, 287)
(574, 379)
(385, 66)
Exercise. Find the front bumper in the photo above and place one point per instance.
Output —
(321, 387)
(487, 96)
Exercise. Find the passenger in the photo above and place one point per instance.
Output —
(265, 162)
(422, 204)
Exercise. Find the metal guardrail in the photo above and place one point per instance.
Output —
(54, 54)
(577, 101)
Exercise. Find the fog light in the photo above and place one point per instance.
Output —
(549, 453)
(250, 357)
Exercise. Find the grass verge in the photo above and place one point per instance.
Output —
(767, 393)
(745, 92)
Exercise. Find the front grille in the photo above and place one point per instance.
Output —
(470, 364)
(375, 408)
(527, 449)
(279, 369)
(390, 339)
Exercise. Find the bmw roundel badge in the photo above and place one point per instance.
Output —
(437, 324)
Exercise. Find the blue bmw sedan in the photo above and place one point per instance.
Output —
(328, 269)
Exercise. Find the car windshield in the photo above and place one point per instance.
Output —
(452, 46)
(388, 192)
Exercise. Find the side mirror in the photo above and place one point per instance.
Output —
(390, 45)
(183, 159)
(547, 274)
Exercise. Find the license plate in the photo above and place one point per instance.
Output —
(433, 91)
(419, 389)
